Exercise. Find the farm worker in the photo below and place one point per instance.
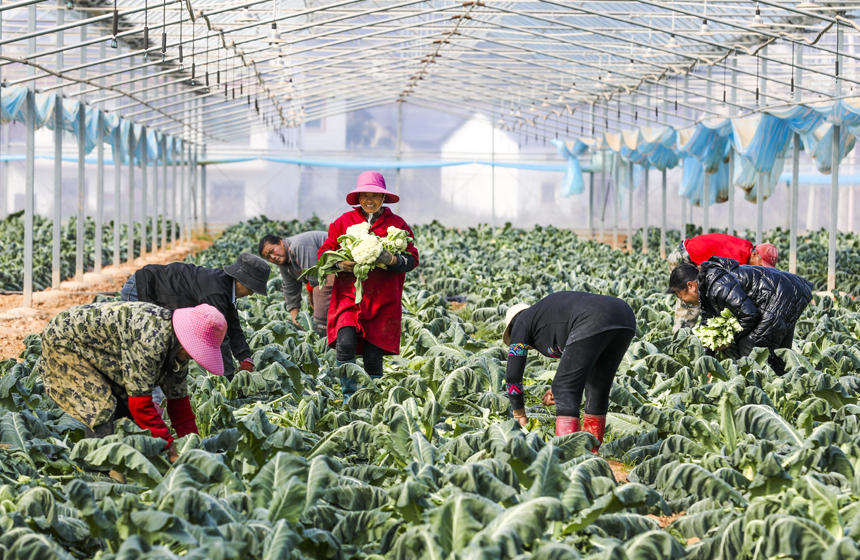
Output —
(293, 255)
(178, 285)
(699, 249)
(101, 362)
(372, 327)
(590, 334)
(766, 302)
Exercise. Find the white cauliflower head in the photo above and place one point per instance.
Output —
(358, 229)
(367, 250)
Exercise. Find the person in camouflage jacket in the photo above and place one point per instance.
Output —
(101, 362)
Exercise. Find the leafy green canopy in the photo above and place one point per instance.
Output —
(426, 463)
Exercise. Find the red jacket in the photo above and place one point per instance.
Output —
(377, 317)
(703, 247)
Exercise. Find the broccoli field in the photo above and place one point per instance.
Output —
(427, 463)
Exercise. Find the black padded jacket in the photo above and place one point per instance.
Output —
(766, 302)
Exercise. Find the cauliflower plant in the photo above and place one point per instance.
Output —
(396, 241)
(718, 332)
(358, 229)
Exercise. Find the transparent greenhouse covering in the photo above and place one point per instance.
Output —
(215, 71)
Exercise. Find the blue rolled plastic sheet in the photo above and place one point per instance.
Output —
(12, 104)
(819, 145)
(708, 141)
(761, 139)
(572, 183)
(693, 182)
(748, 178)
(658, 146)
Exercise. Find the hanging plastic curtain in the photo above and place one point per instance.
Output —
(748, 178)
(658, 146)
(819, 145)
(761, 139)
(572, 183)
(12, 104)
(151, 145)
(708, 141)
(693, 183)
(800, 119)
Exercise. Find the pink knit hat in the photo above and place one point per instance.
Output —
(769, 254)
(201, 331)
(371, 182)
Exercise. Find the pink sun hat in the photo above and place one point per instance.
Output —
(371, 182)
(201, 331)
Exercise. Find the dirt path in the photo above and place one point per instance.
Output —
(17, 322)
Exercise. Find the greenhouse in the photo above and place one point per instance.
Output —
(425, 279)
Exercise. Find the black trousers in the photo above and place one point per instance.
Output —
(347, 341)
(776, 363)
(588, 366)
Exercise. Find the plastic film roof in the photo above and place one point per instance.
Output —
(220, 70)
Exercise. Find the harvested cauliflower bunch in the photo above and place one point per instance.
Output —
(396, 241)
(367, 250)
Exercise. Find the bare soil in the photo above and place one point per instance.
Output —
(17, 322)
(665, 520)
(620, 470)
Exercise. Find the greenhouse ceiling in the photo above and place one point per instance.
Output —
(218, 70)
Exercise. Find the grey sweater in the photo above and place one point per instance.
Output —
(301, 254)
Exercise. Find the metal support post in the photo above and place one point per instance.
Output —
(663, 218)
(602, 194)
(203, 193)
(153, 224)
(56, 262)
(647, 170)
(615, 201)
(144, 192)
(164, 167)
(399, 152)
(759, 204)
(117, 196)
(130, 194)
(706, 201)
(591, 205)
(629, 206)
(834, 174)
(82, 193)
(100, 193)
(174, 200)
(29, 162)
(795, 189)
(100, 173)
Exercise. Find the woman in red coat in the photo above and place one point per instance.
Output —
(372, 327)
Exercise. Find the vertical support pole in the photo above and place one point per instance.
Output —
(759, 204)
(706, 202)
(603, 195)
(492, 174)
(591, 188)
(144, 191)
(82, 188)
(82, 193)
(399, 152)
(153, 223)
(630, 207)
(733, 110)
(174, 196)
(56, 263)
(615, 197)
(763, 77)
(100, 192)
(647, 171)
(164, 167)
(203, 192)
(194, 189)
(688, 112)
(130, 194)
(117, 195)
(29, 162)
(834, 174)
(591, 205)
(795, 189)
(834, 208)
(100, 172)
(663, 218)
